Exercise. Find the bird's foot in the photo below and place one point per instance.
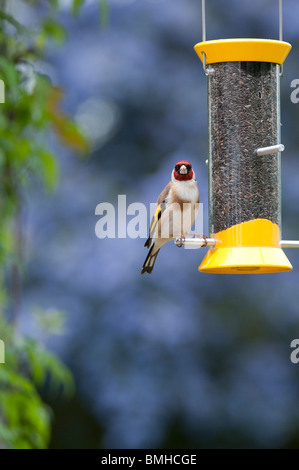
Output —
(180, 241)
(205, 237)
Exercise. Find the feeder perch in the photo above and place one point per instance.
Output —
(243, 78)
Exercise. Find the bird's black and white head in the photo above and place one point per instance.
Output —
(182, 171)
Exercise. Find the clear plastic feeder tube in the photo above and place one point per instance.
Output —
(243, 116)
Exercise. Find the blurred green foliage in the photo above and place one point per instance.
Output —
(31, 111)
(24, 418)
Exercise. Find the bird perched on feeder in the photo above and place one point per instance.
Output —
(175, 213)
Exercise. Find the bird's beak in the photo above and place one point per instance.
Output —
(183, 170)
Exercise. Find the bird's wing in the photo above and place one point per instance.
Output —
(164, 194)
(160, 207)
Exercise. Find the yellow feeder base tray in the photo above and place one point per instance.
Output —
(245, 260)
(238, 250)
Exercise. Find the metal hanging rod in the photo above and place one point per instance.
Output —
(200, 241)
(207, 71)
(280, 34)
(210, 70)
(280, 21)
(203, 20)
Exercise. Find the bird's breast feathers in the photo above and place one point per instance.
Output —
(184, 192)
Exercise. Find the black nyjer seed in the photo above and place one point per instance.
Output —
(244, 115)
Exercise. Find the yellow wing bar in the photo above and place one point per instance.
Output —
(155, 218)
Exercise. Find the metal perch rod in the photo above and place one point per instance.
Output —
(268, 150)
(289, 244)
(198, 241)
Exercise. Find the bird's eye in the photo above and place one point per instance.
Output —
(188, 167)
(177, 167)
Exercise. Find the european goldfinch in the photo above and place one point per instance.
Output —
(175, 212)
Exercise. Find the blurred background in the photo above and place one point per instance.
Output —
(177, 359)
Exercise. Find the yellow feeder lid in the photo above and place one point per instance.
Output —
(238, 50)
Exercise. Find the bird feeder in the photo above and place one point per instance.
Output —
(243, 78)
(244, 155)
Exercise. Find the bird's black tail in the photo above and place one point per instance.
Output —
(150, 261)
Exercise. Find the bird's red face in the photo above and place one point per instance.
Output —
(183, 171)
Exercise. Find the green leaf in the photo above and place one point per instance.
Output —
(28, 419)
(104, 13)
(77, 4)
(10, 379)
(50, 320)
(70, 134)
(7, 434)
(54, 30)
(10, 19)
(10, 76)
(22, 149)
(43, 364)
(54, 4)
(48, 168)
